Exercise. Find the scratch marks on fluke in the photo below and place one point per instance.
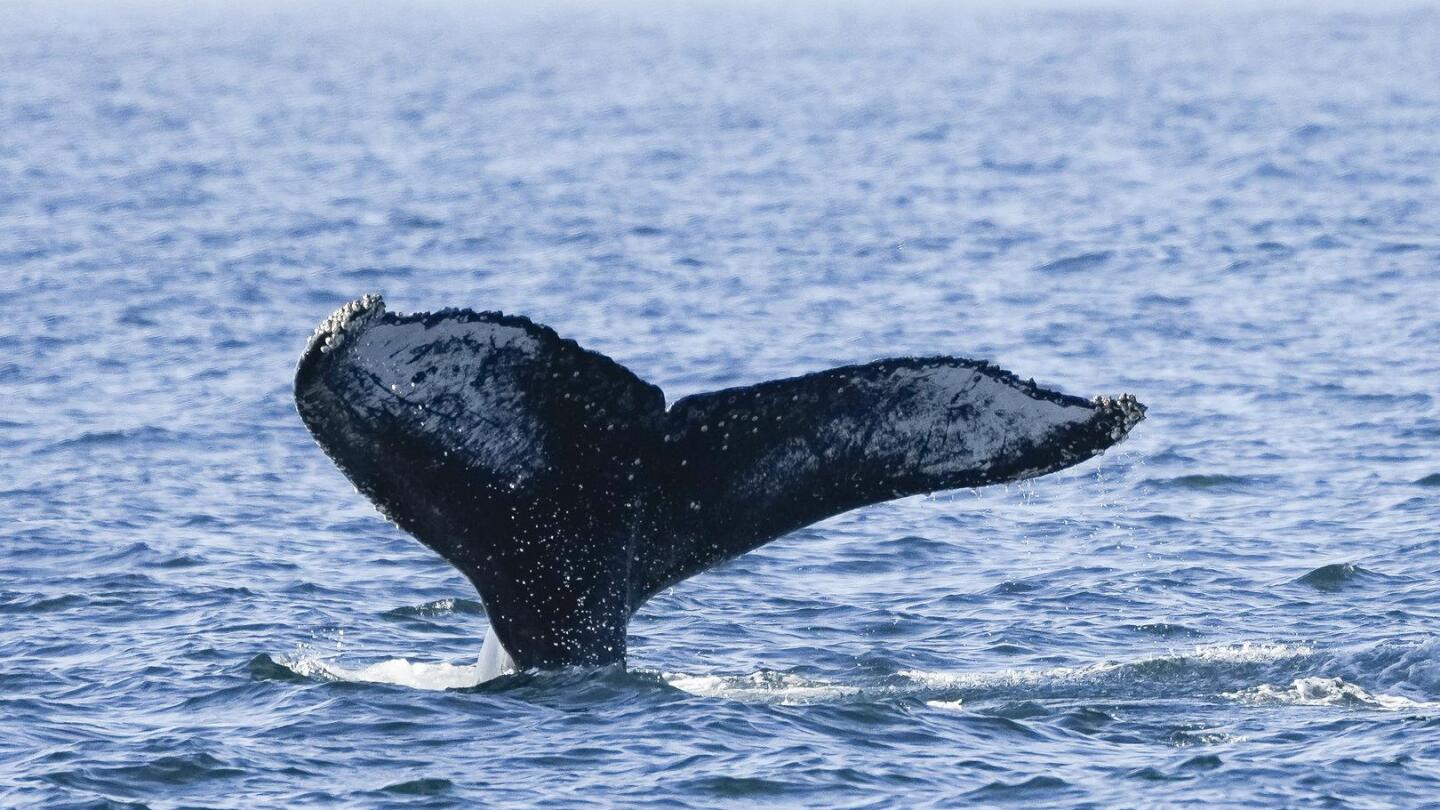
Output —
(560, 484)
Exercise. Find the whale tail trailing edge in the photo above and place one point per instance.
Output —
(559, 483)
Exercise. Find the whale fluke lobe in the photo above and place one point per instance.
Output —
(509, 451)
(746, 465)
(561, 486)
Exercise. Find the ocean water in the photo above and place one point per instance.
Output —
(1231, 212)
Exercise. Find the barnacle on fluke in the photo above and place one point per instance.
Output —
(1126, 407)
(566, 490)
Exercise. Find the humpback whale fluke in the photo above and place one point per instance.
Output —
(562, 486)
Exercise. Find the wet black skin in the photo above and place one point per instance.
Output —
(564, 489)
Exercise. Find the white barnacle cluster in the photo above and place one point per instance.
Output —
(1125, 406)
(354, 315)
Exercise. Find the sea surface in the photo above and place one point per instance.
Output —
(1232, 213)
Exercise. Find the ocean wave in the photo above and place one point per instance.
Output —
(1217, 482)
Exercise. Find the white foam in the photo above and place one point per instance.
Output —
(761, 687)
(494, 661)
(1250, 653)
(785, 688)
(396, 671)
(1247, 653)
(1209, 738)
(1327, 692)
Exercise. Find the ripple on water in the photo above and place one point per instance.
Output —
(31, 603)
(100, 438)
(161, 772)
(1165, 629)
(1212, 482)
(741, 787)
(1042, 788)
(430, 786)
(1076, 264)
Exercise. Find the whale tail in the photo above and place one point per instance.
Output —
(560, 484)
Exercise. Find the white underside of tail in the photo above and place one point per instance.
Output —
(494, 659)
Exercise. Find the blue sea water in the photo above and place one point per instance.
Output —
(1231, 212)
